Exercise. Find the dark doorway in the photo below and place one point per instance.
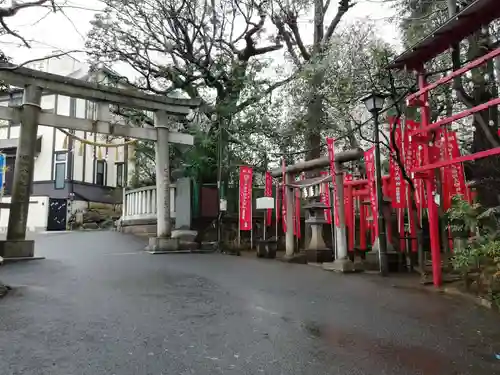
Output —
(57, 214)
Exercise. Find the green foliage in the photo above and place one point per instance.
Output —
(479, 261)
(417, 18)
(198, 162)
(462, 216)
(479, 264)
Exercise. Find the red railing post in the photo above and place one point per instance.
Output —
(362, 224)
(431, 189)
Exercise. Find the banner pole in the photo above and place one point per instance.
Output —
(239, 221)
(251, 220)
(276, 214)
(265, 225)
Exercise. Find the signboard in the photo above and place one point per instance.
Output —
(223, 204)
(246, 177)
(264, 203)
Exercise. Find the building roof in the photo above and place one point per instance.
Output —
(466, 22)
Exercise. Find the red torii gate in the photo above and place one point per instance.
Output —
(465, 23)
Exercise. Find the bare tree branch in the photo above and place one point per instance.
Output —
(12, 10)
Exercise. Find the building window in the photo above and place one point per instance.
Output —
(100, 172)
(119, 174)
(60, 169)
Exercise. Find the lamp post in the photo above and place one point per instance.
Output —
(220, 191)
(374, 103)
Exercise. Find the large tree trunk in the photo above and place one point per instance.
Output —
(486, 172)
(315, 105)
(314, 118)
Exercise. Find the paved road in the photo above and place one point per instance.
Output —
(98, 305)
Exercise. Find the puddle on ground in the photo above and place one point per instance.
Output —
(419, 360)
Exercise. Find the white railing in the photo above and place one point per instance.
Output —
(141, 203)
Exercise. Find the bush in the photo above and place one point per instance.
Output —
(479, 264)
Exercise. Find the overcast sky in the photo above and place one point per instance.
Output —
(55, 32)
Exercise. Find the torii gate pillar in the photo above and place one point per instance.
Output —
(16, 245)
(163, 241)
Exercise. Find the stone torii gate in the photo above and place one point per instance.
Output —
(341, 262)
(30, 115)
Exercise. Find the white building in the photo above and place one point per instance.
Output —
(69, 176)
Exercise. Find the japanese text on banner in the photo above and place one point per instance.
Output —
(348, 201)
(330, 142)
(456, 183)
(284, 196)
(396, 175)
(325, 198)
(246, 174)
(370, 175)
(269, 193)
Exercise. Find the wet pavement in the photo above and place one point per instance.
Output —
(99, 305)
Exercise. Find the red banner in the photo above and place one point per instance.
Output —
(410, 151)
(419, 183)
(363, 227)
(370, 175)
(283, 195)
(348, 200)
(401, 229)
(296, 214)
(349, 211)
(396, 175)
(268, 192)
(278, 207)
(456, 182)
(246, 198)
(438, 153)
(412, 158)
(330, 142)
(325, 198)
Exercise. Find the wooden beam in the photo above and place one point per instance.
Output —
(76, 88)
(324, 161)
(98, 126)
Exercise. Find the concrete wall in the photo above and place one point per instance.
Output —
(37, 214)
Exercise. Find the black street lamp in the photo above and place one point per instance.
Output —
(374, 103)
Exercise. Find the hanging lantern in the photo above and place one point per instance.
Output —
(65, 143)
(80, 149)
(99, 153)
